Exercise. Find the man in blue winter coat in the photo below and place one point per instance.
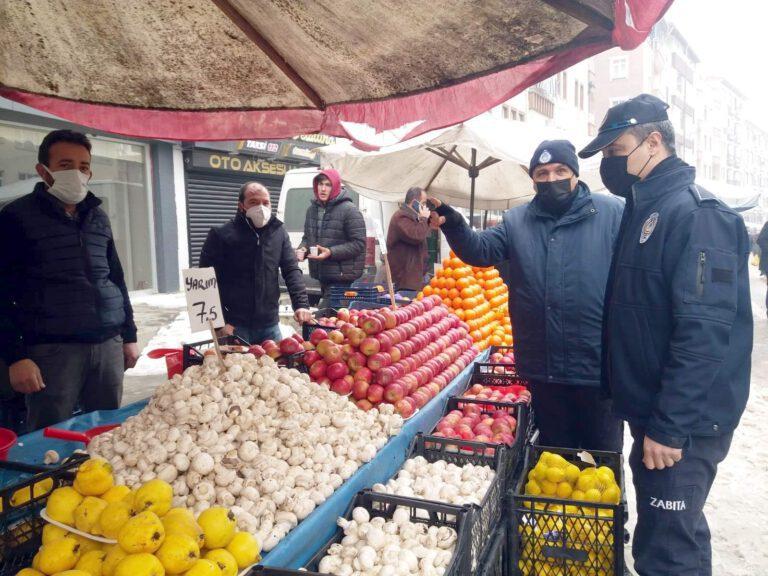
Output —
(678, 333)
(559, 250)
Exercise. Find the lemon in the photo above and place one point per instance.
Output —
(218, 526)
(178, 553)
(548, 488)
(59, 555)
(607, 471)
(62, 504)
(592, 495)
(577, 495)
(540, 471)
(87, 514)
(72, 573)
(37, 490)
(586, 481)
(142, 564)
(224, 560)
(564, 490)
(555, 475)
(611, 495)
(94, 477)
(28, 572)
(204, 568)
(557, 461)
(36, 561)
(572, 474)
(181, 521)
(91, 562)
(114, 516)
(532, 488)
(52, 532)
(245, 548)
(531, 474)
(588, 471)
(142, 533)
(116, 493)
(114, 554)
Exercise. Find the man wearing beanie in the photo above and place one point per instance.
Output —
(559, 249)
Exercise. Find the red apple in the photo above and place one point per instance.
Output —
(364, 374)
(369, 346)
(310, 357)
(375, 393)
(393, 393)
(271, 348)
(404, 408)
(256, 350)
(336, 370)
(290, 346)
(378, 361)
(359, 389)
(371, 325)
(341, 386)
(343, 314)
(364, 404)
(356, 336)
(336, 336)
(325, 382)
(317, 370)
(390, 320)
(317, 335)
(356, 361)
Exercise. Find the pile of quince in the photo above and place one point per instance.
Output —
(153, 539)
(572, 527)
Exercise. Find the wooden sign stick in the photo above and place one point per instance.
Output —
(216, 342)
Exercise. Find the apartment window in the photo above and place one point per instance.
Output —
(521, 116)
(618, 100)
(565, 86)
(581, 97)
(540, 104)
(576, 93)
(505, 112)
(619, 67)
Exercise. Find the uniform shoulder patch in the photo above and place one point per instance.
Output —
(648, 227)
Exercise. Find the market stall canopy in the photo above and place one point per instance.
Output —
(375, 71)
(502, 151)
(740, 198)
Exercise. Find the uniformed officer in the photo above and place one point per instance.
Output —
(678, 332)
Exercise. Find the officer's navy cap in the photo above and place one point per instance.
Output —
(642, 109)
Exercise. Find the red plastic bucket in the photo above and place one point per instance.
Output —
(174, 359)
(7, 440)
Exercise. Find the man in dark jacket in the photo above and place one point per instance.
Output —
(334, 236)
(407, 241)
(559, 250)
(247, 253)
(66, 323)
(678, 332)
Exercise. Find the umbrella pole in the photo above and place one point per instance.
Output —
(473, 171)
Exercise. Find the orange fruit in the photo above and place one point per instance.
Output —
(427, 291)
(450, 283)
(456, 302)
(456, 263)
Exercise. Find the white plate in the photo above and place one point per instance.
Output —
(68, 528)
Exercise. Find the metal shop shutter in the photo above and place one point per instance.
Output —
(212, 201)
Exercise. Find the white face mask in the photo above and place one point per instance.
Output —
(69, 186)
(259, 215)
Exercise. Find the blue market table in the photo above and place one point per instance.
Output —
(298, 547)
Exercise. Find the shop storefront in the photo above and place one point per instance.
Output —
(121, 179)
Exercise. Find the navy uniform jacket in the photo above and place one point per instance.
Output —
(558, 270)
(679, 316)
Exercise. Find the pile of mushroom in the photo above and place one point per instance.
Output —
(396, 547)
(440, 482)
(262, 440)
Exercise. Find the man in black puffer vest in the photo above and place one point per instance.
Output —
(66, 323)
(335, 229)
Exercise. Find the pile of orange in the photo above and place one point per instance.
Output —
(476, 295)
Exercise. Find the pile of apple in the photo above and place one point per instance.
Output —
(505, 357)
(403, 357)
(276, 350)
(478, 423)
(506, 394)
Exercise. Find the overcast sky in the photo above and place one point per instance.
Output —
(731, 39)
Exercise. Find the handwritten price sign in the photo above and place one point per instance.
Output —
(203, 302)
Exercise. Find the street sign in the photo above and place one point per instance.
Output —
(203, 302)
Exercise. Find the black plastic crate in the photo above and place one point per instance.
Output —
(422, 511)
(496, 558)
(490, 374)
(307, 329)
(21, 527)
(502, 349)
(487, 516)
(193, 354)
(513, 455)
(567, 536)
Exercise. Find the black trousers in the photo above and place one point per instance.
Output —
(325, 292)
(672, 535)
(572, 416)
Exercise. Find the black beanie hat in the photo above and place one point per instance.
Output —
(555, 152)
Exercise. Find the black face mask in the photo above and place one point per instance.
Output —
(555, 197)
(613, 172)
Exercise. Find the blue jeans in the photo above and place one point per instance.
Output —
(257, 334)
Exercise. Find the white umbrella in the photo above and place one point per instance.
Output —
(481, 163)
